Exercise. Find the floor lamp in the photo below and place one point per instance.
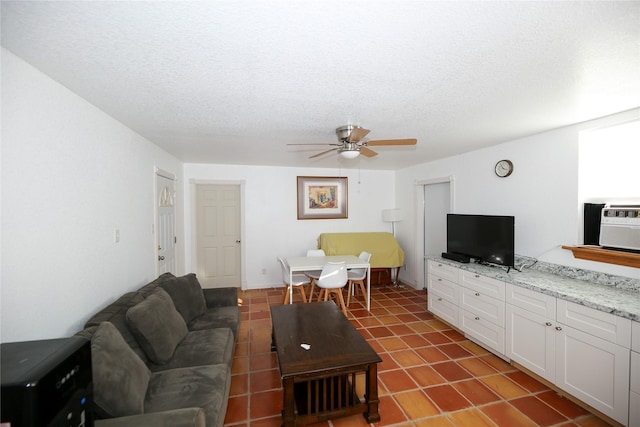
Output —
(392, 216)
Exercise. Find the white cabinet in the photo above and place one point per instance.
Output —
(634, 380)
(583, 351)
(531, 330)
(482, 310)
(442, 285)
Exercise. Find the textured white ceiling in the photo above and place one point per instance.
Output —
(235, 81)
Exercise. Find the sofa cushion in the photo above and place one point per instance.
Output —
(219, 317)
(186, 293)
(208, 388)
(198, 348)
(115, 313)
(187, 417)
(157, 325)
(120, 377)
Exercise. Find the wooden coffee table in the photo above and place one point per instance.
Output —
(320, 383)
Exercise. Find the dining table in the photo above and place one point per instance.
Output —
(299, 264)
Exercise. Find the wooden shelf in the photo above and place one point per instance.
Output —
(610, 256)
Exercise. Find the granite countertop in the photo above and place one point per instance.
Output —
(612, 294)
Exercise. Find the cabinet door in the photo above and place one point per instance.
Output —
(634, 395)
(530, 341)
(594, 370)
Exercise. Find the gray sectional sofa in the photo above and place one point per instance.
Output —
(161, 356)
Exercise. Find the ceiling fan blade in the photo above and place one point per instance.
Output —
(357, 134)
(317, 143)
(379, 142)
(367, 152)
(324, 152)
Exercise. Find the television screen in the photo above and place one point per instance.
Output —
(486, 238)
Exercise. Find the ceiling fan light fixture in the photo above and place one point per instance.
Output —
(350, 154)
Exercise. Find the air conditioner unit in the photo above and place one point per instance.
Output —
(620, 227)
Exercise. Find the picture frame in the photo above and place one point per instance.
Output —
(322, 197)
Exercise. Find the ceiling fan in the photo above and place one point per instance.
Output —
(351, 143)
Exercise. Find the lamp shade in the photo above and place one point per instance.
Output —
(350, 154)
(391, 215)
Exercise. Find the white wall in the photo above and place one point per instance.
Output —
(70, 176)
(542, 193)
(271, 227)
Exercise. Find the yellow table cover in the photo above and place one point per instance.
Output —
(383, 247)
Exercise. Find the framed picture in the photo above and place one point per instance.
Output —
(322, 197)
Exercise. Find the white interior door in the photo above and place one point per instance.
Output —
(165, 223)
(436, 207)
(218, 235)
(434, 198)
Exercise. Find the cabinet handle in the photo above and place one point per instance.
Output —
(477, 276)
(477, 294)
(439, 279)
(477, 318)
(439, 299)
(548, 324)
(439, 265)
(558, 328)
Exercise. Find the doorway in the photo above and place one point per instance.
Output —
(434, 200)
(165, 222)
(217, 235)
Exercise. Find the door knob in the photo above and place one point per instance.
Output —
(161, 258)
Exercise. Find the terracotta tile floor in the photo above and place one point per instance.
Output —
(430, 374)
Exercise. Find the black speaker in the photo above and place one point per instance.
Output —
(47, 383)
(592, 217)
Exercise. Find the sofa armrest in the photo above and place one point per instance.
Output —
(221, 297)
(187, 417)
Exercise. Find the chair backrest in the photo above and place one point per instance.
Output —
(285, 270)
(315, 252)
(334, 275)
(360, 273)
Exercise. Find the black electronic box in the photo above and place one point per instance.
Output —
(46, 383)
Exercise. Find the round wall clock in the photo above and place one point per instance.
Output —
(504, 168)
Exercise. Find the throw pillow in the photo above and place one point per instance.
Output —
(187, 295)
(120, 377)
(157, 326)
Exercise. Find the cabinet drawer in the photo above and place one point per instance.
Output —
(535, 302)
(444, 309)
(603, 325)
(443, 288)
(482, 306)
(443, 271)
(485, 285)
(483, 331)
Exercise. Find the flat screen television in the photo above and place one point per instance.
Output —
(486, 238)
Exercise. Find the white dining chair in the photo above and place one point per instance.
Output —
(356, 276)
(331, 282)
(298, 282)
(313, 275)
